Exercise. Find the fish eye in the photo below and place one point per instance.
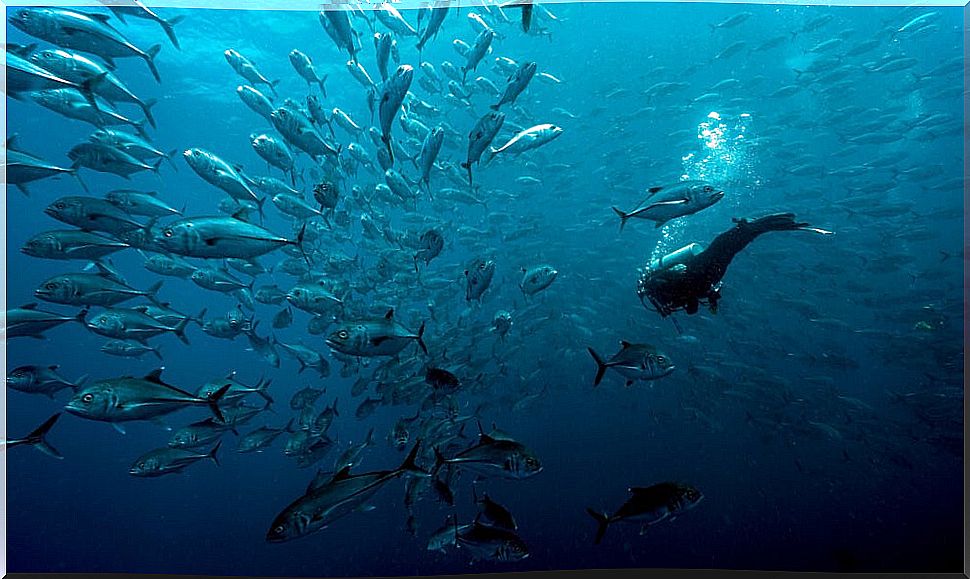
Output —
(87, 397)
(168, 232)
(661, 359)
(708, 189)
(343, 334)
(50, 285)
(278, 530)
(60, 205)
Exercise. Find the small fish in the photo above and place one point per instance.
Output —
(664, 203)
(649, 506)
(634, 362)
(162, 461)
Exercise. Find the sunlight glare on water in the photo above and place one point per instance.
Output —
(724, 157)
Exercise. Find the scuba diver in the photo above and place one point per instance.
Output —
(691, 276)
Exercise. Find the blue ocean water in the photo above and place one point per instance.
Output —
(819, 410)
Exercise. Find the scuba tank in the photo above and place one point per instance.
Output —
(675, 257)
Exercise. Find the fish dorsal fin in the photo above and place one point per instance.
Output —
(389, 315)
(624, 344)
(653, 191)
(637, 490)
(240, 215)
(102, 18)
(321, 479)
(155, 376)
(107, 272)
(342, 474)
(13, 140)
(482, 437)
(53, 367)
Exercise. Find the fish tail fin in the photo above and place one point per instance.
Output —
(150, 60)
(38, 437)
(600, 366)
(169, 27)
(370, 437)
(80, 382)
(74, 173)
(146, 107)
(468, 167)
(213, 401)
(299, 244)
(170, 156)
(272, 87)
(152, 292)
(261, 390)
(158, 353)
(409, 465)
(212, 453)
(140, 129)
(603, 520)
(89, 86)
(390, 149)
(259, 205)
(200, 317)
(157, 165)
(179, 332)
(494, 107)
(439, 461)
(323, 87)
(82, 316)
(421, 339)
(623, 217)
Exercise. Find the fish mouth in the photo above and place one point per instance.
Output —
(715, 197)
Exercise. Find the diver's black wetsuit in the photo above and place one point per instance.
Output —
(695, 281)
